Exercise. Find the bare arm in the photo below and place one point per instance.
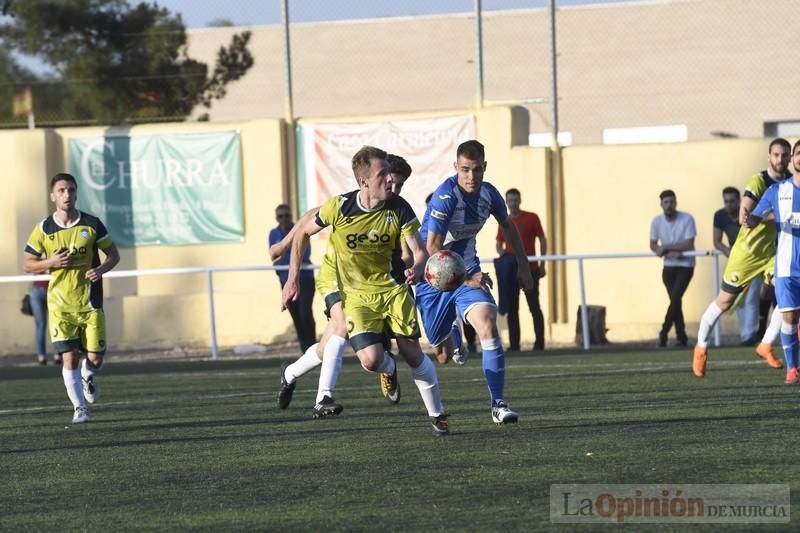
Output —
(718, 244)
(41, 265)
(498, 246)
(745, 207)
(656, 248)
(511, 235)
(420, 255)
(306, 227)
(277, 250)
(680, 246)
(110, 261)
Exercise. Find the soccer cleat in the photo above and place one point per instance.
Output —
(502, 413)
(792, 377)
(42, 360)
(390, 387)
(57, 359)
(81, 415)
(439, 425)
(460, 355)
(90, 389)
(326, 407)
(699, 360)
(764, 351)
(286, 390)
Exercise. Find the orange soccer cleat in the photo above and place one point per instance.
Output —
(764, 351)
(792, 377)
(699, 361)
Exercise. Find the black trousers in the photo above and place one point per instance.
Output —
(302, 314)
(676, 281)
(532, 297)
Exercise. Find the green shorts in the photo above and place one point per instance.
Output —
(368, 315)
(85, 330)
(743, 267)
(327, 285)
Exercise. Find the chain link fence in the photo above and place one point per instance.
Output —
(626, 70)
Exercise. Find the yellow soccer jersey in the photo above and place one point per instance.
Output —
(69, 290)
(367, 242)
(758, 241)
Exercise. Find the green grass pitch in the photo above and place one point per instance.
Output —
(202, 445)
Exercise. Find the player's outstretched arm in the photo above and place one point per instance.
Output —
(511, 235)
(420, 255)
(110, 261)
(306, 227)
(277, 250)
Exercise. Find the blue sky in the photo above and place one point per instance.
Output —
(197, 13)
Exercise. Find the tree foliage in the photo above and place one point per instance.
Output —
(117, 62)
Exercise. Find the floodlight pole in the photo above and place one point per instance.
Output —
(478, 56)
(289, 156)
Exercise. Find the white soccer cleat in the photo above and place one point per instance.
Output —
(461, 354)
(90, 389)
(502, 414)
(81, 415)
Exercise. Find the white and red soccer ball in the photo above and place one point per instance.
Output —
(445, 270)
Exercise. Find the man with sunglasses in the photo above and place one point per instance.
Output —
(302, 315)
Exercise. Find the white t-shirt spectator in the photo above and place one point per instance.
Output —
(668, 232)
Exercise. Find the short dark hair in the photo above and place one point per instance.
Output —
(781, 141)
(283, 206)
(471, 150)
(361, 159)
(62, 176)
(514, 190)
(731, 190)
(398, 165)
(667, 193)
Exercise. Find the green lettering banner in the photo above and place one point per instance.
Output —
(162, 189)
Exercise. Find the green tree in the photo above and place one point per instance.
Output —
(117, 62)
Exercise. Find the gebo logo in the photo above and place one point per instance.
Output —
(373, 237)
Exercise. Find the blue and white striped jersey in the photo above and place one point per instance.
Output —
(783, 200)
(460, 217)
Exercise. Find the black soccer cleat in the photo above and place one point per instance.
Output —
(286, 390)
(326, 407)
(439, 425)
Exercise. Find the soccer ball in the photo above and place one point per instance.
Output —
(445, 270)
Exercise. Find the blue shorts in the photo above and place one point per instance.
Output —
(438, 309)
(787, 292)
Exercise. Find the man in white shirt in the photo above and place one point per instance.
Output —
(671, 234)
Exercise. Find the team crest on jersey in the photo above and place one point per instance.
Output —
(84, 233)
(389, 218)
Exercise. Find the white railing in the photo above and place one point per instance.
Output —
(209, 271)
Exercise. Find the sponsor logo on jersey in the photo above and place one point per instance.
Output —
(444, 196)
(373, 237)
(389, 218)
(438, 214)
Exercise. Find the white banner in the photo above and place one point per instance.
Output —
(429, 146)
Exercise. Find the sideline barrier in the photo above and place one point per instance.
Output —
(209, 271)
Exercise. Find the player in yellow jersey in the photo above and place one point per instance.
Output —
(753, 254)
(67, 243)
(368, 225)
(328, 352)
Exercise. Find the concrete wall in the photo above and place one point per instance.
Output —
(611, 195)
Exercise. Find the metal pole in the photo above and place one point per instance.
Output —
(478, 55)
(212, 319)
(584, 310)
(289, 155)
(714, 292)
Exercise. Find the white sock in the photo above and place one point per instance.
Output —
(428, 385)
(387, 365)
(774, 327)
(331, 365)
(308, 361)
(707, 321)
(89, 370)
(72, 382)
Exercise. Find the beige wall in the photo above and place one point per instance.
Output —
(611, 197)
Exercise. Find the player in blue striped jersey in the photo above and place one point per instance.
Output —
(782, 201)
(456, 213)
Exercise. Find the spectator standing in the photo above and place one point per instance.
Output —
(530, 229)
(726, 223)
(671, 234)
(300, 310)
(38, 295)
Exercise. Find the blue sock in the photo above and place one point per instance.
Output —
(494, 367)
(790, 344)
(455, 333)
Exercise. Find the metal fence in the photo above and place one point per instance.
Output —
(623, 70)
